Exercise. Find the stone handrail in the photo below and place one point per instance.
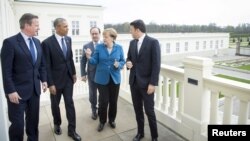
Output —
(187, 100)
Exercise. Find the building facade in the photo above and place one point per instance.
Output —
(80, 18)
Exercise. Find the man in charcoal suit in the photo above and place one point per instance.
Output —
(61, 76)
(143, 60)
(90, 73)
(23, 70)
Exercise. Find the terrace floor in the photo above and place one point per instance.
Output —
(125, 129)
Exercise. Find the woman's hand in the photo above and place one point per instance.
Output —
(88, 53)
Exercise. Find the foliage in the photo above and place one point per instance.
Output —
(241, 29)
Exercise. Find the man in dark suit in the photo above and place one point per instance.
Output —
(143, 60)
(23, 69)
(90, 73)
(61, 76)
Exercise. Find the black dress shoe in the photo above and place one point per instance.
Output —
(138, 137)
(112, 124)
(154, 139)
(74, 136)
(100, 127)
(57, 129)
(94, 116)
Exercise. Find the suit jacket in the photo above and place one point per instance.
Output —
(57, 65)
(146, 64)
(19, 73)
(105, 63)
(90, 68)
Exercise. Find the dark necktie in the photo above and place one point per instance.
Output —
(32, 50)
(64, 48)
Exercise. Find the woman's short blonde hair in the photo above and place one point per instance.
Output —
(111, 31)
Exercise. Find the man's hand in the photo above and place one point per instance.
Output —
(151, 89)
(52, 89)
(74, 79)
(14, 97)
(84, 78)
(129, 64)
(44, 86)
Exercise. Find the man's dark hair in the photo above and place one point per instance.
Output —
(26, 19)
(139, 24)
(57, 21)
(99, 30)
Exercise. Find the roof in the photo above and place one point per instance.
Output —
(97, 3)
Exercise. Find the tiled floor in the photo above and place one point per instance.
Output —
(87, 128)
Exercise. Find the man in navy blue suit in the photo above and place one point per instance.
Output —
(90, 73)
(61, 76)
(143, 60)
(23, 69)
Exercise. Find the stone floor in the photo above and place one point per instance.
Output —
(87, 128)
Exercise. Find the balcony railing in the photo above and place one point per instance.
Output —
(189, 99)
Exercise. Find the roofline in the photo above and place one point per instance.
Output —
(58, 3)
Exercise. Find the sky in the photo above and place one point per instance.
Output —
(180, 12)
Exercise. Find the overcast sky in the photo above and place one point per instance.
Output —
(221, 12)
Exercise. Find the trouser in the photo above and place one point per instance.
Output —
(108, 96)
(140, 98)
(67, 93)
(93, 95)
(16, 116)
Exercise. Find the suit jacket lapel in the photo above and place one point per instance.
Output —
(114, 49)
(24, 47)
(57, 45)
(106, 50)
(143, 45)
(92, 48)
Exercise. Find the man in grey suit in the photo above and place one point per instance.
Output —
(143, 60)
(90, 73)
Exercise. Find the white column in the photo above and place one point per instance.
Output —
(3, 107)
(3, 113)
(196, 99)
(7, 29)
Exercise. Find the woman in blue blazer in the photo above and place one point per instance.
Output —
(109, 58)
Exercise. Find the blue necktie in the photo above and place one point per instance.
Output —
(64, 48)
(32, 51)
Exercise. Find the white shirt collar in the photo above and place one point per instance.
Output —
(25, 37)
(141, 38)
(98, 42)
(58, 37)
